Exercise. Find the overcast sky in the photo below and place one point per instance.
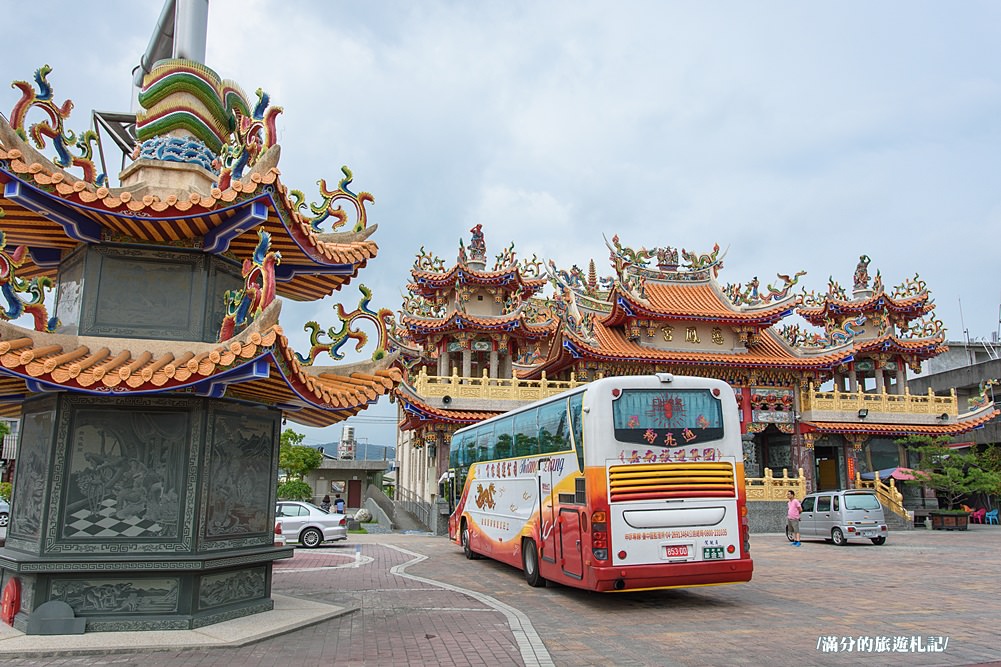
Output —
(796, 135)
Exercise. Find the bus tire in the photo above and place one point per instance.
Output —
(467, 548)
(530, 563)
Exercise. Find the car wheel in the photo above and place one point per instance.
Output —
(311, 538)
(467, 548)
(530, 563)
(879, 541)
(4, 519)
(791, 536)
(838, 537)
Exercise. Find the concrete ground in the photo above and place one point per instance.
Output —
(414, 600)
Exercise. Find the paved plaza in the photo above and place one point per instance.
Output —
(924, 598)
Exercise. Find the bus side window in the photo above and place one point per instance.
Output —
(468, 450)
(502, 439)
(553, 427)
(526, 433)
(577, 427)
(485, 443)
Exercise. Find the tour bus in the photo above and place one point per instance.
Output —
(624, 484)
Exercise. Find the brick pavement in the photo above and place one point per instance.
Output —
(419, 602)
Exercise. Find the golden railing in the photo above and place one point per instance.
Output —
(775, 488)
(906, 403)
(510, 389)
(888, 494)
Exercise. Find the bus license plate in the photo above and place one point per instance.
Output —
(712, 553)
(676, 551)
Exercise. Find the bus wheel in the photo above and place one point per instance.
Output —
(530, 563)
(467, 548)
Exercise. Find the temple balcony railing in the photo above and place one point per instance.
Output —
(876, 407)
(888, 494)
(770, 487)
(491, 389)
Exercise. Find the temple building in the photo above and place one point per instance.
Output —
(463, 332)
(829, 402)
(152, 393)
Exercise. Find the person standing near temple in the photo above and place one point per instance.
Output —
(325, 503)
(339, 504)
(793, 513)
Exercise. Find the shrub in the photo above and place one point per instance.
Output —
(295, 489)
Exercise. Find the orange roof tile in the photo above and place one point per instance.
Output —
(227, 220)
(695, 301)
(256, 364)
(419, 411)
(916, 305)
(458, 321)
(902, 429)
(429, 282)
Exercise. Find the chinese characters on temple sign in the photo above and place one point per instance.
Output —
(882, 644)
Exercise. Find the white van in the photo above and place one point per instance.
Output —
(838, 516)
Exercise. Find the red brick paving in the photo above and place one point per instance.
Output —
(920, 584)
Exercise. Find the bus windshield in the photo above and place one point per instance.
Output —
(667, 417)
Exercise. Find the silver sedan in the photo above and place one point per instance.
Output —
(309, 525)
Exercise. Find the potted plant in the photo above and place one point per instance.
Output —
(953, 475)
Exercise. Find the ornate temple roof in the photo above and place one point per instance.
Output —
(256, 365)
(417, 411)
(701, 301)
(905, 302)
(613, 344)
(521, 279)
(203, 178)
(518, 323)
(965, 424)
(48, 211)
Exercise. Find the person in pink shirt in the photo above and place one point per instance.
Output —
(795, 509)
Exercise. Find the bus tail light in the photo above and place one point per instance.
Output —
(730, 549)
(599, 535)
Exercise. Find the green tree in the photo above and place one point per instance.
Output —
(295, 460)
(952, 474)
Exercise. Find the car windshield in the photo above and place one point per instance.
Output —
(861, 501)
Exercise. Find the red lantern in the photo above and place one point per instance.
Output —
(11, 601)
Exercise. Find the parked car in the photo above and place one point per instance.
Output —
(280, 539)
(4, 513)
(839, 516)
(309, 525)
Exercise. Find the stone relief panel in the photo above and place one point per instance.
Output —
(126, 288)
(217, 590)
(127, 474)
(241, 475)
(109, 596)
(32, 475)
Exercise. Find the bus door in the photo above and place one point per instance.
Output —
(547, 512)
(570, 536)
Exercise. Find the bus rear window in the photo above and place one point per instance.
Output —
(667, 417)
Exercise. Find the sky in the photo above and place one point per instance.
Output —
(797, 136)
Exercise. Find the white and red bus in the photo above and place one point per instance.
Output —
(627, 483)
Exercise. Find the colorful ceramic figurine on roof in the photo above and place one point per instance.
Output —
(467, 329)
(153, 390)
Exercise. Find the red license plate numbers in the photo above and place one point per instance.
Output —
(676, 551)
